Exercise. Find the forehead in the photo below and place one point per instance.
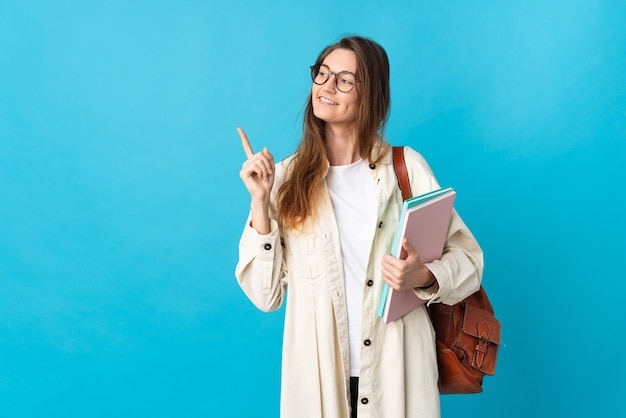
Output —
(341, 60)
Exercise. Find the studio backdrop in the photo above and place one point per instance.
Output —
(121, 205)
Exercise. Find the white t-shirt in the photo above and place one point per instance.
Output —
(353, 194)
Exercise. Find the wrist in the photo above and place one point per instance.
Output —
(262, 204)
(429, 285)
(430, 279)
(259, 213)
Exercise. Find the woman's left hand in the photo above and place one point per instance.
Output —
(406, 273)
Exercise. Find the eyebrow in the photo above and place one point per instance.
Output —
(337, 72)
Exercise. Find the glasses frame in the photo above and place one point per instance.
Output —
(316, 68)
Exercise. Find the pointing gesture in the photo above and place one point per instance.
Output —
(247, 148)
(257, 172)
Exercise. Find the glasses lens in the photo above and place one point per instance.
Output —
(345, 82)
(319, 74)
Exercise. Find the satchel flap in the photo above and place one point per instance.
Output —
(481, 324)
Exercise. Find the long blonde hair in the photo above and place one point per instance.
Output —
(299, 195)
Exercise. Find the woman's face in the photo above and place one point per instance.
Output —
(334, 107)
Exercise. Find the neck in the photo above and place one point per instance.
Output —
(342, 147)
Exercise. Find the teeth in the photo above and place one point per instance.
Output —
(325, 100)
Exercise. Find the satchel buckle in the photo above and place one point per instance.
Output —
(484, 332)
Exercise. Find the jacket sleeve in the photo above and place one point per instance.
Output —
(459, 271)
(260, 270)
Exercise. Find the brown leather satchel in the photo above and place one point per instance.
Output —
(468, 334)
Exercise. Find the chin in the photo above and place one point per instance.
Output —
(320, 116)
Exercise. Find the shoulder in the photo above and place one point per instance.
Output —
(420, 173)
(414, 158)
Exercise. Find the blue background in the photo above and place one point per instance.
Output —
(121, 206)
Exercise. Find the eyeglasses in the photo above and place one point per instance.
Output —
(344, 80)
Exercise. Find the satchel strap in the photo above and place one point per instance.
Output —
(401, 172)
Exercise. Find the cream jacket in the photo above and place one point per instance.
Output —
(398, 376)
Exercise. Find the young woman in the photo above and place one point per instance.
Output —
(321, 226)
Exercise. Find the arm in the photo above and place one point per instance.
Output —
(260, 268)
(260, 271)
(459, 271)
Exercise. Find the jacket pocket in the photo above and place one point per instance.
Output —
(303, 255)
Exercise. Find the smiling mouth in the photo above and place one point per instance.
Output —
(326, 100)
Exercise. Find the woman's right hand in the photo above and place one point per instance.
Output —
(257, 172)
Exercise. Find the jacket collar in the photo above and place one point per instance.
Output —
(381, 154)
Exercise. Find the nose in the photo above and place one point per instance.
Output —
(331, 84)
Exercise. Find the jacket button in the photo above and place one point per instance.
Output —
(268, 246)
(364, 401)
(367, 342)
(380, 224)
(372, 166)
(370, 282)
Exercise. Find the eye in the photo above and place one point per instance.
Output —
(346, 79)
(323, 70)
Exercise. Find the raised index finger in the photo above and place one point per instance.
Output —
(247, 148)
